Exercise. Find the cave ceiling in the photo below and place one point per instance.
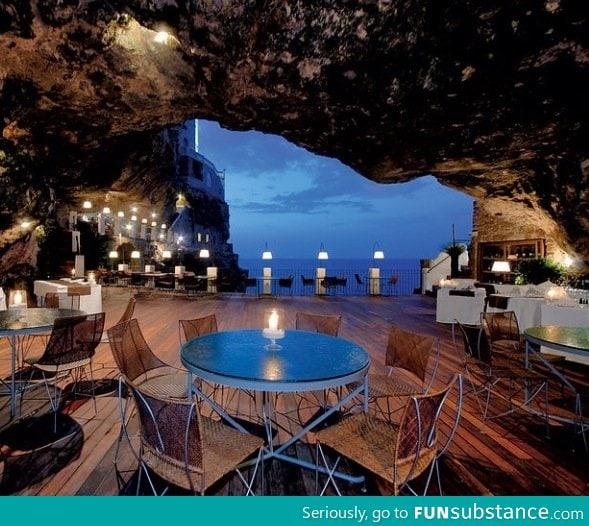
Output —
(489, 97)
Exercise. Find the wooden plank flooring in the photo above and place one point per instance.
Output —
(510, 456)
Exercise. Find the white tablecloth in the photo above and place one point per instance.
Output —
(465, 309)
(576, 316)
(527, 310)
(89, 303)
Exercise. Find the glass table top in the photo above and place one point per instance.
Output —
(303, 356)
(576, 338)
(34, 318)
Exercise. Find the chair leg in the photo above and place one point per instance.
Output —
(330, 471)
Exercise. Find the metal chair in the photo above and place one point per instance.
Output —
(137, 362)
(359, 282)
(69, 350)
(190, 329)
(285, 283)
(408, 357)
(324, 323)
(127, 315)
(503, 334)
(187, 449)
(398, 453)
(499, 377)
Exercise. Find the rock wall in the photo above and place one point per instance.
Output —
(490, 97)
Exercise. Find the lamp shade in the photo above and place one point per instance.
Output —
(204, 253)
(135, 254)
(267, 254)
(86, 205)
(500, 266)
(113, 254)
(166, 254)
(322, 253)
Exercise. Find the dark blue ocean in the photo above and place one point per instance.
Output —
(407, 270)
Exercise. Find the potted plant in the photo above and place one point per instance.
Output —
(454, 250)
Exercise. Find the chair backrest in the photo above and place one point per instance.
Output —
(171, 433)
(51, 300)
(190, 329)
(417, 443)
(358, 279)
(475, 342)
(324, 323)
(129, 310)
(411, 351)
(501, 325)
(73, 338)
(131, 352)
(307, 281)
(285, 282)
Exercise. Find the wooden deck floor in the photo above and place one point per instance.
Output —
(512, 456)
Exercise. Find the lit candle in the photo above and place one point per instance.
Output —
(273, 321)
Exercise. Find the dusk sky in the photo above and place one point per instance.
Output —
(294, 200)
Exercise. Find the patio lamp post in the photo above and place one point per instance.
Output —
(267, 271)
(212, 272)
(374, 271)
(320, 271)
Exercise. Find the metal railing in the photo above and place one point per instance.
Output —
(345, 283)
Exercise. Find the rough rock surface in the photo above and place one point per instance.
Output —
(490, 97)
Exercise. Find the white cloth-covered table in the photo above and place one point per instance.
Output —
(90, 294)
(462, 305)
(527, 310)
(564, 315)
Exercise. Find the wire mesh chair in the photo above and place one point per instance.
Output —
(190, 329)
(324, 323)
(502, 331)
(187, 449)
(137, 362)
(499, 377)
(408, 357)
(69, 350)
(396, 453)
(127, 315)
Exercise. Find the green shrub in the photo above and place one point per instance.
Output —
(535, 271)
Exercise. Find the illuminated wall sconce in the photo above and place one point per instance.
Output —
(86, 205)
(17, 299)
(204, 253)
(120, 213)
(106, 210)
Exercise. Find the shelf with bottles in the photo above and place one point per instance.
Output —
(510, 251)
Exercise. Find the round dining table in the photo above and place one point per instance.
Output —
(21, 321)
(290, 361)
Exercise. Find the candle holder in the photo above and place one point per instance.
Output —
(17, 299)
(273, 328)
